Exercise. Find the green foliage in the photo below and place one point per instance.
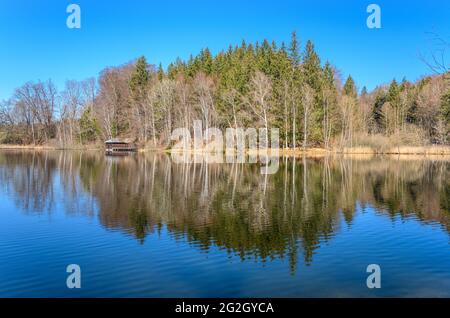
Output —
(89, 127)
(393, 95)
(377, 111)
(350, 87)
(312, 70)
(313, 76)
(306, 100)
(294, 51)
(445, 107)
(161, 72)
(139, 79)
(328, 76)
(364, 91)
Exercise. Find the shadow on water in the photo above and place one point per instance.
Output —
(231, 206)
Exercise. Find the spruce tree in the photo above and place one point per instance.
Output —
(393, 97)
(311, 67)
(139, 79)
(364, 91)
(445, 109)
(313, 77)
(160, 72)
(377, 112)
(393, 93)
(350, 87)
(294, 51)
(328, 75)
(89, 128)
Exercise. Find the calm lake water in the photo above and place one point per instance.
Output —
(144, 226)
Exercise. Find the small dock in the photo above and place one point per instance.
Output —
(119, 147)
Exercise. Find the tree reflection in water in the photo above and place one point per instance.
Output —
(231, 206)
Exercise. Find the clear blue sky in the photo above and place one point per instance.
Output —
(36, 44)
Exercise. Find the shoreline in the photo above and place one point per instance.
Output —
(401, 150)
(313, 151)
(47, 147)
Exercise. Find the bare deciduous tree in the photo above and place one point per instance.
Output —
(204, 88)
(260, 89)
(307, 103)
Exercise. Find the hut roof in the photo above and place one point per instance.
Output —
(116, 141)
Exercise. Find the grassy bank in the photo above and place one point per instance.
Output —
(49, 147)
(400, 150)
(27, 147)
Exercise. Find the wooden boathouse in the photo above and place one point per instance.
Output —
(115, 146)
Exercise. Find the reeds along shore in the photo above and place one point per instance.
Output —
(401, 150)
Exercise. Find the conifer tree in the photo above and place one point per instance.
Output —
(377, 112)
(294, 51)
(160, 72)
(364, 91)
(311, 67)
(330, 96)
(350, 87)
(393, 97)
(139, 78)
(445, 108)
(313, 78)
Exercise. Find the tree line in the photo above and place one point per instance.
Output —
(261, 85)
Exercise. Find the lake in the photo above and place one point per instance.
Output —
(144, 226)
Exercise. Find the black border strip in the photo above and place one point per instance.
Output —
(298, 307)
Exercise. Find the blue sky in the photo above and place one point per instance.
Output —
(36, 43)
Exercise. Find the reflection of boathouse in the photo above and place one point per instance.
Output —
(115, 146)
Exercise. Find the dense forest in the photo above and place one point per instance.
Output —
(265, 84)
